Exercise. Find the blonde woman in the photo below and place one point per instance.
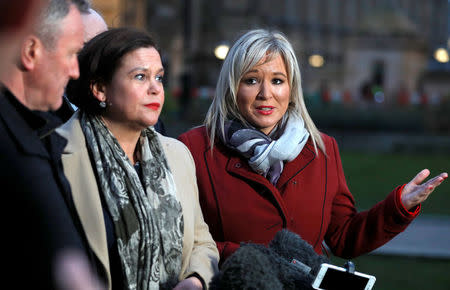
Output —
(262, 165)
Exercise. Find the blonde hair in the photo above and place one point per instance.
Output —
(247, 52)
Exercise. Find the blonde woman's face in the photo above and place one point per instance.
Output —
(263, 94)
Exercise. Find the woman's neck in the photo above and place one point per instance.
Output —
(126, 136)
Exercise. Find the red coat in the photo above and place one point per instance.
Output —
(311, 199)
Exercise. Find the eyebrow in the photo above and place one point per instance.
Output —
(275, 73)
(144, 69)
(281, 74)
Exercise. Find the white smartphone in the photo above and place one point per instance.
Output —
(333, 277)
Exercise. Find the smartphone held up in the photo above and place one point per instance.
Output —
(331, 277)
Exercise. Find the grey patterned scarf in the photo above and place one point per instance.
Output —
(147, 216)
(266, 154)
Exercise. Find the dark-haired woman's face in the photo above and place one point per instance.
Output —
(135, 95)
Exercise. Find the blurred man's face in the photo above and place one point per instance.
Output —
(58, 64)
(93, 24)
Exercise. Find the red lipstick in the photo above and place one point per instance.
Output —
(153, 106)
(265, 110)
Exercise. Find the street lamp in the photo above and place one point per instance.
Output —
(441, 55)
(316, 60)
(221, 51)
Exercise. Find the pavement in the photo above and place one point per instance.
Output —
(388, 142)
(426, 236)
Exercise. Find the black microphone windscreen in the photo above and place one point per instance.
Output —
(291, 246)
(247, 268)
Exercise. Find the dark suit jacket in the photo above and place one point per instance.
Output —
(38, 220)
(65, 111)
(311, 199)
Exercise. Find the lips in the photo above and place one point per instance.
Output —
(153, 106)
(265, 110)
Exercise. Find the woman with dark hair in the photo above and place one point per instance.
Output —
(134, 189)
(262, 164)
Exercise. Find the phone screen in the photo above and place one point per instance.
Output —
(335, 279)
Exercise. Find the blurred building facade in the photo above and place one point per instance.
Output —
(349, 50)
(122, 13)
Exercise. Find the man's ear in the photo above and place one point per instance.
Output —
(31, 52)
(98, 90)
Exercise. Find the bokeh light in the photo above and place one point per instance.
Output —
(316, 60)
(441, 55)
(221, 51)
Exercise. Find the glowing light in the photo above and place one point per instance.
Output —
(441, 55)
(316, 60)
(221, 51)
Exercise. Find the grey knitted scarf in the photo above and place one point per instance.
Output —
(266, 154)
(147, 215)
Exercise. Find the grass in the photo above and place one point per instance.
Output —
(398, 273)
(370, 177)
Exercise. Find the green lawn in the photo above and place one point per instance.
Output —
(408, 273)
(370, 177)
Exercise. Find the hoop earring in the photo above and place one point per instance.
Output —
(102, 104)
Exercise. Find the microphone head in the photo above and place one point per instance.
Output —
(291, 246)
(247, 268)
(255, 266)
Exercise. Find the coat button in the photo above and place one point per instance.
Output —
(238, 165)
(294, 182)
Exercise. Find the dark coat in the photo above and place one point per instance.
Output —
(311, 199)
(65, 111)
(38, 220)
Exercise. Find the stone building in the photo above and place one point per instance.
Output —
(387, 44)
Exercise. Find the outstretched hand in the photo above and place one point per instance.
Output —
(415, 193)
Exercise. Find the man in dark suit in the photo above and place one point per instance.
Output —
(39, 224)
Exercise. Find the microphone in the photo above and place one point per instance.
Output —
(288, 262)
(292, 247)
(247, 268)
